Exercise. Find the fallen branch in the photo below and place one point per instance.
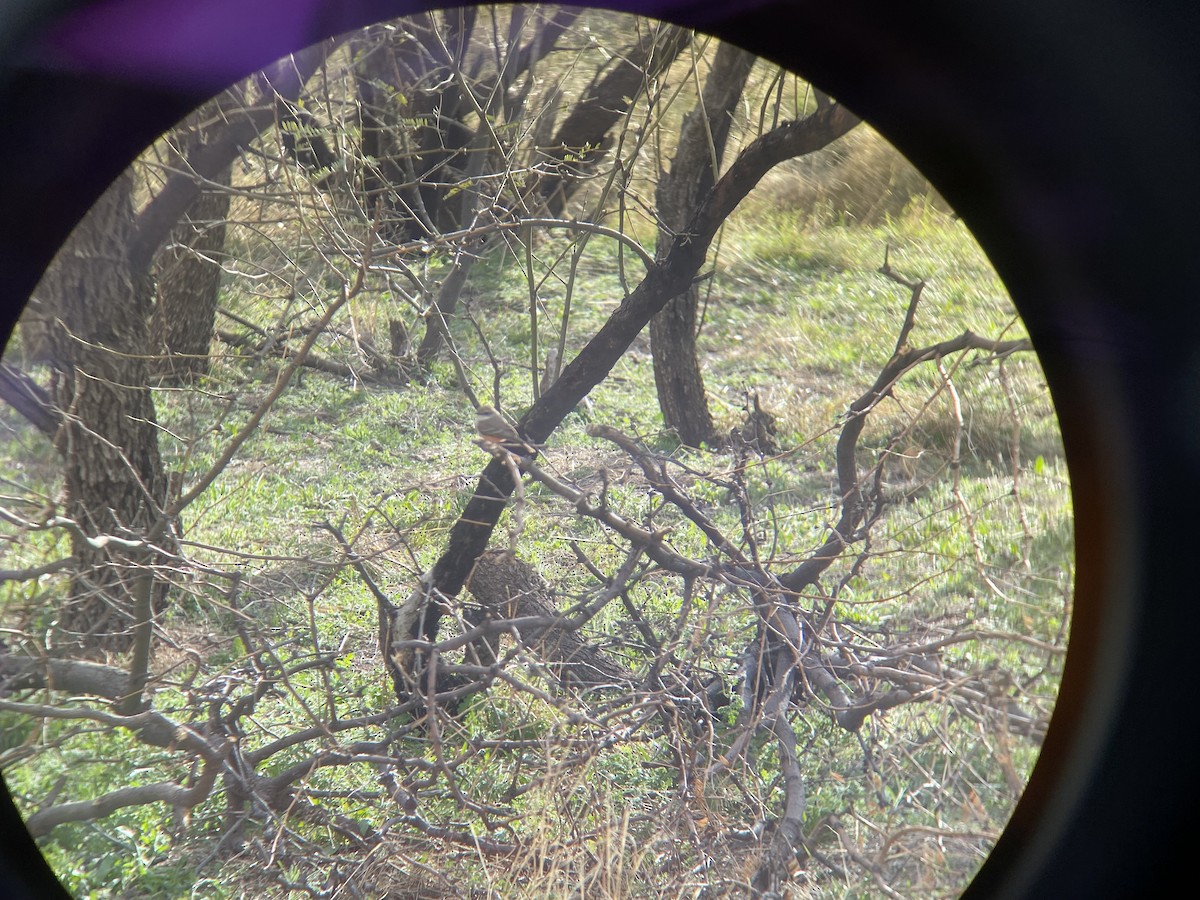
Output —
(44, 821)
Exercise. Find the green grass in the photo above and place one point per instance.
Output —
(797, 313)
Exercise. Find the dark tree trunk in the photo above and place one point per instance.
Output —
(420, 615)
(424, 144)
(189, 281)
(278, 85)
(93, 309)
(113, 474)
(189, 269)
(413, 132)
(677, 375)
(420, 134)
(584, 136)
(702, 140)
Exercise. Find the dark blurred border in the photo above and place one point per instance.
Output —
(1066, 134)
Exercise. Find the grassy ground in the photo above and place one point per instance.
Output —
(797, 313)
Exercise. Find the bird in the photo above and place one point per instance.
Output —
(494, 429)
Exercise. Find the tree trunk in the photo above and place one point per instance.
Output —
(702, 140)
(413, 132)
(420, 615)
(277, 85)
(677, 374)
(584, 136)
(93, 305)
(189, 270)
(108, 439)
(189, 281)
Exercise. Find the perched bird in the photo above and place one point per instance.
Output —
(494, 429)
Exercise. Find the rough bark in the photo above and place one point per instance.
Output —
(205, 162)
(702, 140)
(114, 481)
(428, 117)
(95, 309)
(189, 268)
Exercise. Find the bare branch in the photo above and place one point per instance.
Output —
(44, 821)
(27, 397)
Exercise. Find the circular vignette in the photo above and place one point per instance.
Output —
(1059, 132)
